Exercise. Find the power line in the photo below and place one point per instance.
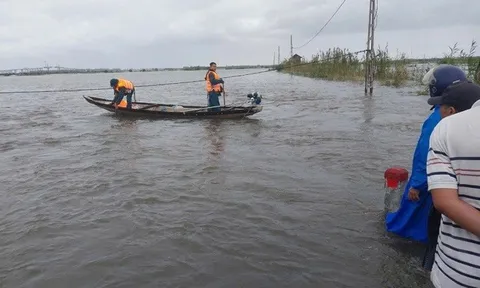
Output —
(322, 27)
(278, 68)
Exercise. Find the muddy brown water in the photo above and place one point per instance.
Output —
(292, 197)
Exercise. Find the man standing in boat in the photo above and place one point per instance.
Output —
(122, 87)
(214, 87)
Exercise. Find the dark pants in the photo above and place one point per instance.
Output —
(213, 100)
(433, 230)
(119, 96)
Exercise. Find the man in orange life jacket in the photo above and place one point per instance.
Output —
(122, 87)
(214, 87)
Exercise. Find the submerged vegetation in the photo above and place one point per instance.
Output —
(341, 65)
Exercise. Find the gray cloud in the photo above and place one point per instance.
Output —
(172, 33)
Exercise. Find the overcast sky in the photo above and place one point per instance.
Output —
(176, 33)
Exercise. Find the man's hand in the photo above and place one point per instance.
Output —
(413, 194)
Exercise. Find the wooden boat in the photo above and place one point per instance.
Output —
(158, 110)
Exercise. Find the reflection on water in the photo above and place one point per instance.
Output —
(368, 109)
(214, 129)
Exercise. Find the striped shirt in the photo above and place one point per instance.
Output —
(454, 163)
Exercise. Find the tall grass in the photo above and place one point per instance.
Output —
(466, 60)
(339, 64)
(391, 71)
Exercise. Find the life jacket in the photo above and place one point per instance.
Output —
(209, 86)
(123, 104)
(125, 84)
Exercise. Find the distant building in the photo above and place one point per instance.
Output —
(296, 58)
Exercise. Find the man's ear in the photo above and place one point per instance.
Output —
(452, 110)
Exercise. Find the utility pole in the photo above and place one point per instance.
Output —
(274, 56)
(278, 55)
(291, 54)
(291, 45)
(370, 53)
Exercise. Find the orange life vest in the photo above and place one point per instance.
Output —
(124, 83)
(123, 104)
(209, 86)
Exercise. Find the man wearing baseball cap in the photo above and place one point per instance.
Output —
(453, 173)
(416, 219)
(458, 97)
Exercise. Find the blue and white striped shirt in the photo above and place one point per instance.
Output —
(454, 163)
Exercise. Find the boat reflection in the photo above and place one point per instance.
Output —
(216, 138)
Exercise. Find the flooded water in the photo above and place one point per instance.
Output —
(292, 197)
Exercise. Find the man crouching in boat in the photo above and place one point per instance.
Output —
(416, 218)
(122, 87)
(214, 87)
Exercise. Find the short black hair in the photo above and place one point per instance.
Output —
(212, 63)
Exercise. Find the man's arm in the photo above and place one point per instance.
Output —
(447, 202)
(115, 95)
(443, 185)
(419, 169)
(213, 80)
(418, 180)
(118, 94)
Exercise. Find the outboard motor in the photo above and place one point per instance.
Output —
(254, 98)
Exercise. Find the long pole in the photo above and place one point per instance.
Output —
(372, 55)
(367, 56)
(369, 73)
(224, 103)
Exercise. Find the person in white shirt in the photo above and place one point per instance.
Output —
(453, 171)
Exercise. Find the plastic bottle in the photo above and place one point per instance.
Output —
(395, 181)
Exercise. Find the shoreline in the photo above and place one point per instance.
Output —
(337, 64)
(48, 71)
